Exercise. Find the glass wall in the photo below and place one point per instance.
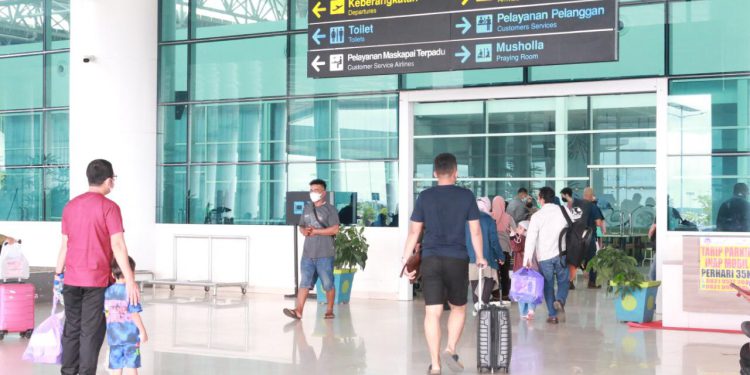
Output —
(607, 142)
(709, 156)
(240, 124)
(237, 110)
(34, 71)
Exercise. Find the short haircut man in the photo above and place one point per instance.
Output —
(92, 237)
(517, 207)
(98, 171)
(542, 237)
(443, 212)
(319, 223)
(445, 164)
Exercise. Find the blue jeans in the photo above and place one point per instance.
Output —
(524, 308)
(551, 269)
(313, 268)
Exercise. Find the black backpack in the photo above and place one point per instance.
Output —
(577, 236)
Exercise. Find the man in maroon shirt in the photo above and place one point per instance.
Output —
(92, 234)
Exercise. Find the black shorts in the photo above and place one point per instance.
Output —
(445, 278)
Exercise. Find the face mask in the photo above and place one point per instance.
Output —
(315, 196)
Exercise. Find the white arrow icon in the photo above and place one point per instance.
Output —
(316, 64)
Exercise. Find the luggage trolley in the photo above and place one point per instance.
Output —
(210, 283)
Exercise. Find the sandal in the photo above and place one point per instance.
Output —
(329, 315)
(451, 359)
(430, 371)
(292, 314)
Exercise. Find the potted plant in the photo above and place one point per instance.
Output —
(635, 297)
(351, 253)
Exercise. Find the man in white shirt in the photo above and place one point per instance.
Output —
(542, 240)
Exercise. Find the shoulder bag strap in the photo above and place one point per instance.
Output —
(562, 235)
(315, 212)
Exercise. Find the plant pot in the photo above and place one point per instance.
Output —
(342, 281)
(638, 306)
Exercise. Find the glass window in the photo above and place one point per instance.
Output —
(709, 154)
(245, 132)
(641, 43)
(355, 128)
(462, 78)
(58, 25)
(56, 137)
(522, 115)
(299, 14)
(628, 111)
(21, 139)
(215, 18)
(625, 148)
(237, 194)
(22, 23)
(470, 153)
(521, 156)
(375, 184)
(21, 194)
(173, 73)
(301, 85)
(709, 116)
(245, 68)
(56, 192)
(58, 79)
(172, 195)
(172, 135)
(21, 82)
(449, 118)
(709, 193)
(174, 20)
(709, 36)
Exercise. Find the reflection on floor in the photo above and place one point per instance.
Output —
(196, 334)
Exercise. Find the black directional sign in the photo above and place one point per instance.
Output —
(368, 37)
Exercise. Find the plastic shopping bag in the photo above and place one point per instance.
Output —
(13, 264)
(45, 345)
(527, 286)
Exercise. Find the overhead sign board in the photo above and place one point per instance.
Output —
(369, 37)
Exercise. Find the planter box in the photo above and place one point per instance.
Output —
(342, 281)
(638, 306)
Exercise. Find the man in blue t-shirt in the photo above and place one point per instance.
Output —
(443, 212)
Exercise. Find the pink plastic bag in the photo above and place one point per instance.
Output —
(527, 286)
(45, 345)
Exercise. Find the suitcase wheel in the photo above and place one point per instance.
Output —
(27, 334)
(171, 287)
(206, 289)
(244, 290)
(2, 334)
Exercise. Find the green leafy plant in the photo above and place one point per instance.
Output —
(351, 248)
(613, 265)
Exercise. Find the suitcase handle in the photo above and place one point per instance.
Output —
(480, 272)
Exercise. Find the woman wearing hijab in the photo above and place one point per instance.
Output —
(505, 224)
(491, 249)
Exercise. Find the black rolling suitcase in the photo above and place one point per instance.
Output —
(493, 336)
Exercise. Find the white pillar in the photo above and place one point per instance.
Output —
(113, 108)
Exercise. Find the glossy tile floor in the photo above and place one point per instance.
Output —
(192, 333)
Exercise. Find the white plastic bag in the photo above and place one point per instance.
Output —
(13, 264)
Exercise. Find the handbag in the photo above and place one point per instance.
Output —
(413, 263)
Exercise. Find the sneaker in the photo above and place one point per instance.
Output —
(572, 286)
(594, 286)
(560, 308)
(530, 315)
(552, 320)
